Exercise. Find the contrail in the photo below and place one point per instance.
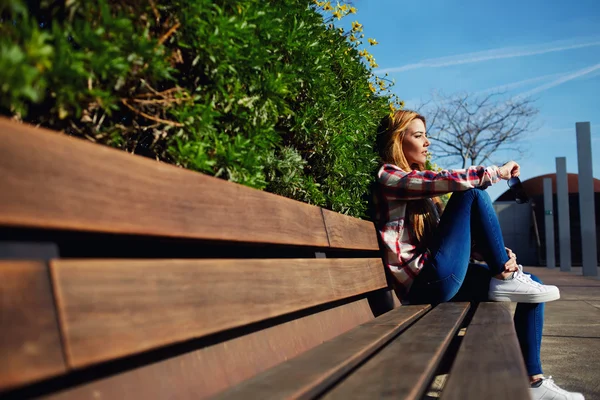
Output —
(514, 85)
(559, 81)
(500, 88)
(562, 78)
(494, 54)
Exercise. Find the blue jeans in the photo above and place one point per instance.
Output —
(448, 276)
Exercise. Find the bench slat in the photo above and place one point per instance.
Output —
(208, 370)
(404, 367)
(311, 373)
(50, 180)
(346, 232)
(113, 308)
(30, 347)
(489, 364)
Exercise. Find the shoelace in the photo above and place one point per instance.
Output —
(554, 386)
(526, 277)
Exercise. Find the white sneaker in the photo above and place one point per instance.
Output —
(550, 391)
(521, 289)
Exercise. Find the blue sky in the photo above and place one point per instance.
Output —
(550, 50)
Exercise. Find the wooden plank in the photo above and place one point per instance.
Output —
(313, 372)
(346, 232)
(50, 180)
(489, 364)
(114, 308)
(202, 373)
(30, 344)
(403, 369)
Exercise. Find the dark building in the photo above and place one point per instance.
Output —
(523, 226)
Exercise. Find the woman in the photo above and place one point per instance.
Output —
(429, 255)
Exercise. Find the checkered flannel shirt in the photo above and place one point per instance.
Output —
(394, 189)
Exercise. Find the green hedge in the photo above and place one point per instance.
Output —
(269, 94)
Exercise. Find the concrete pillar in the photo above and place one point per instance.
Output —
(586, 199)
(549, 223)
(564, 226)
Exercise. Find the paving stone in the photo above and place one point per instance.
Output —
(594, 303)
(579, 292)
(574, 363)
(571, 341)
(560, 278)
(572, 318)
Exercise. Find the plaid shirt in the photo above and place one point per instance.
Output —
(394, 189)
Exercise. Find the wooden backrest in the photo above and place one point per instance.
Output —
(163, 282)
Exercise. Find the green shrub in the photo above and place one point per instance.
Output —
(265, 93)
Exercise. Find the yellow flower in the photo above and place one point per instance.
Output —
(341, 30)
(342, 7)
(363, 53)
(356, 26)
(373, 42)
(327, 6)
(353, 38)
(372, 87)
(392, 107)
(401, 104)
(382, 85)
(337, 14)
(352, 10)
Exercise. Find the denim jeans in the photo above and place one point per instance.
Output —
(448, 276)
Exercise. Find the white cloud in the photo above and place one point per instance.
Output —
(518, 84)
(493, 54)
(557, 79)
(414, 102)
(564, 78)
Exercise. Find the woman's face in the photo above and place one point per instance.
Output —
(415, 143)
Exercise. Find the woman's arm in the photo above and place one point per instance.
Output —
(409, 185)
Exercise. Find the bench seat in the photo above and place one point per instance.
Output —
(123, 278)
(394, 357)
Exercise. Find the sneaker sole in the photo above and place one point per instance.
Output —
(525, 297)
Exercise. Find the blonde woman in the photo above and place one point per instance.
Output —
(428, 251)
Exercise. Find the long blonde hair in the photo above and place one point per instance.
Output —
(421, 213)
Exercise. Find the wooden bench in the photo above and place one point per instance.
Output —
(124, 278)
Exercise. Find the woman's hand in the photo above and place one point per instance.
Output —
(510, 253)
(510, 170)
(511, 265)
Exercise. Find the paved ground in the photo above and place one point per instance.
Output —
(571, 338)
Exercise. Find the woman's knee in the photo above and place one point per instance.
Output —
(482, 194)
(477, 193)
(464, 196)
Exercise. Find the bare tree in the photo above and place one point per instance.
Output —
(470, 129)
